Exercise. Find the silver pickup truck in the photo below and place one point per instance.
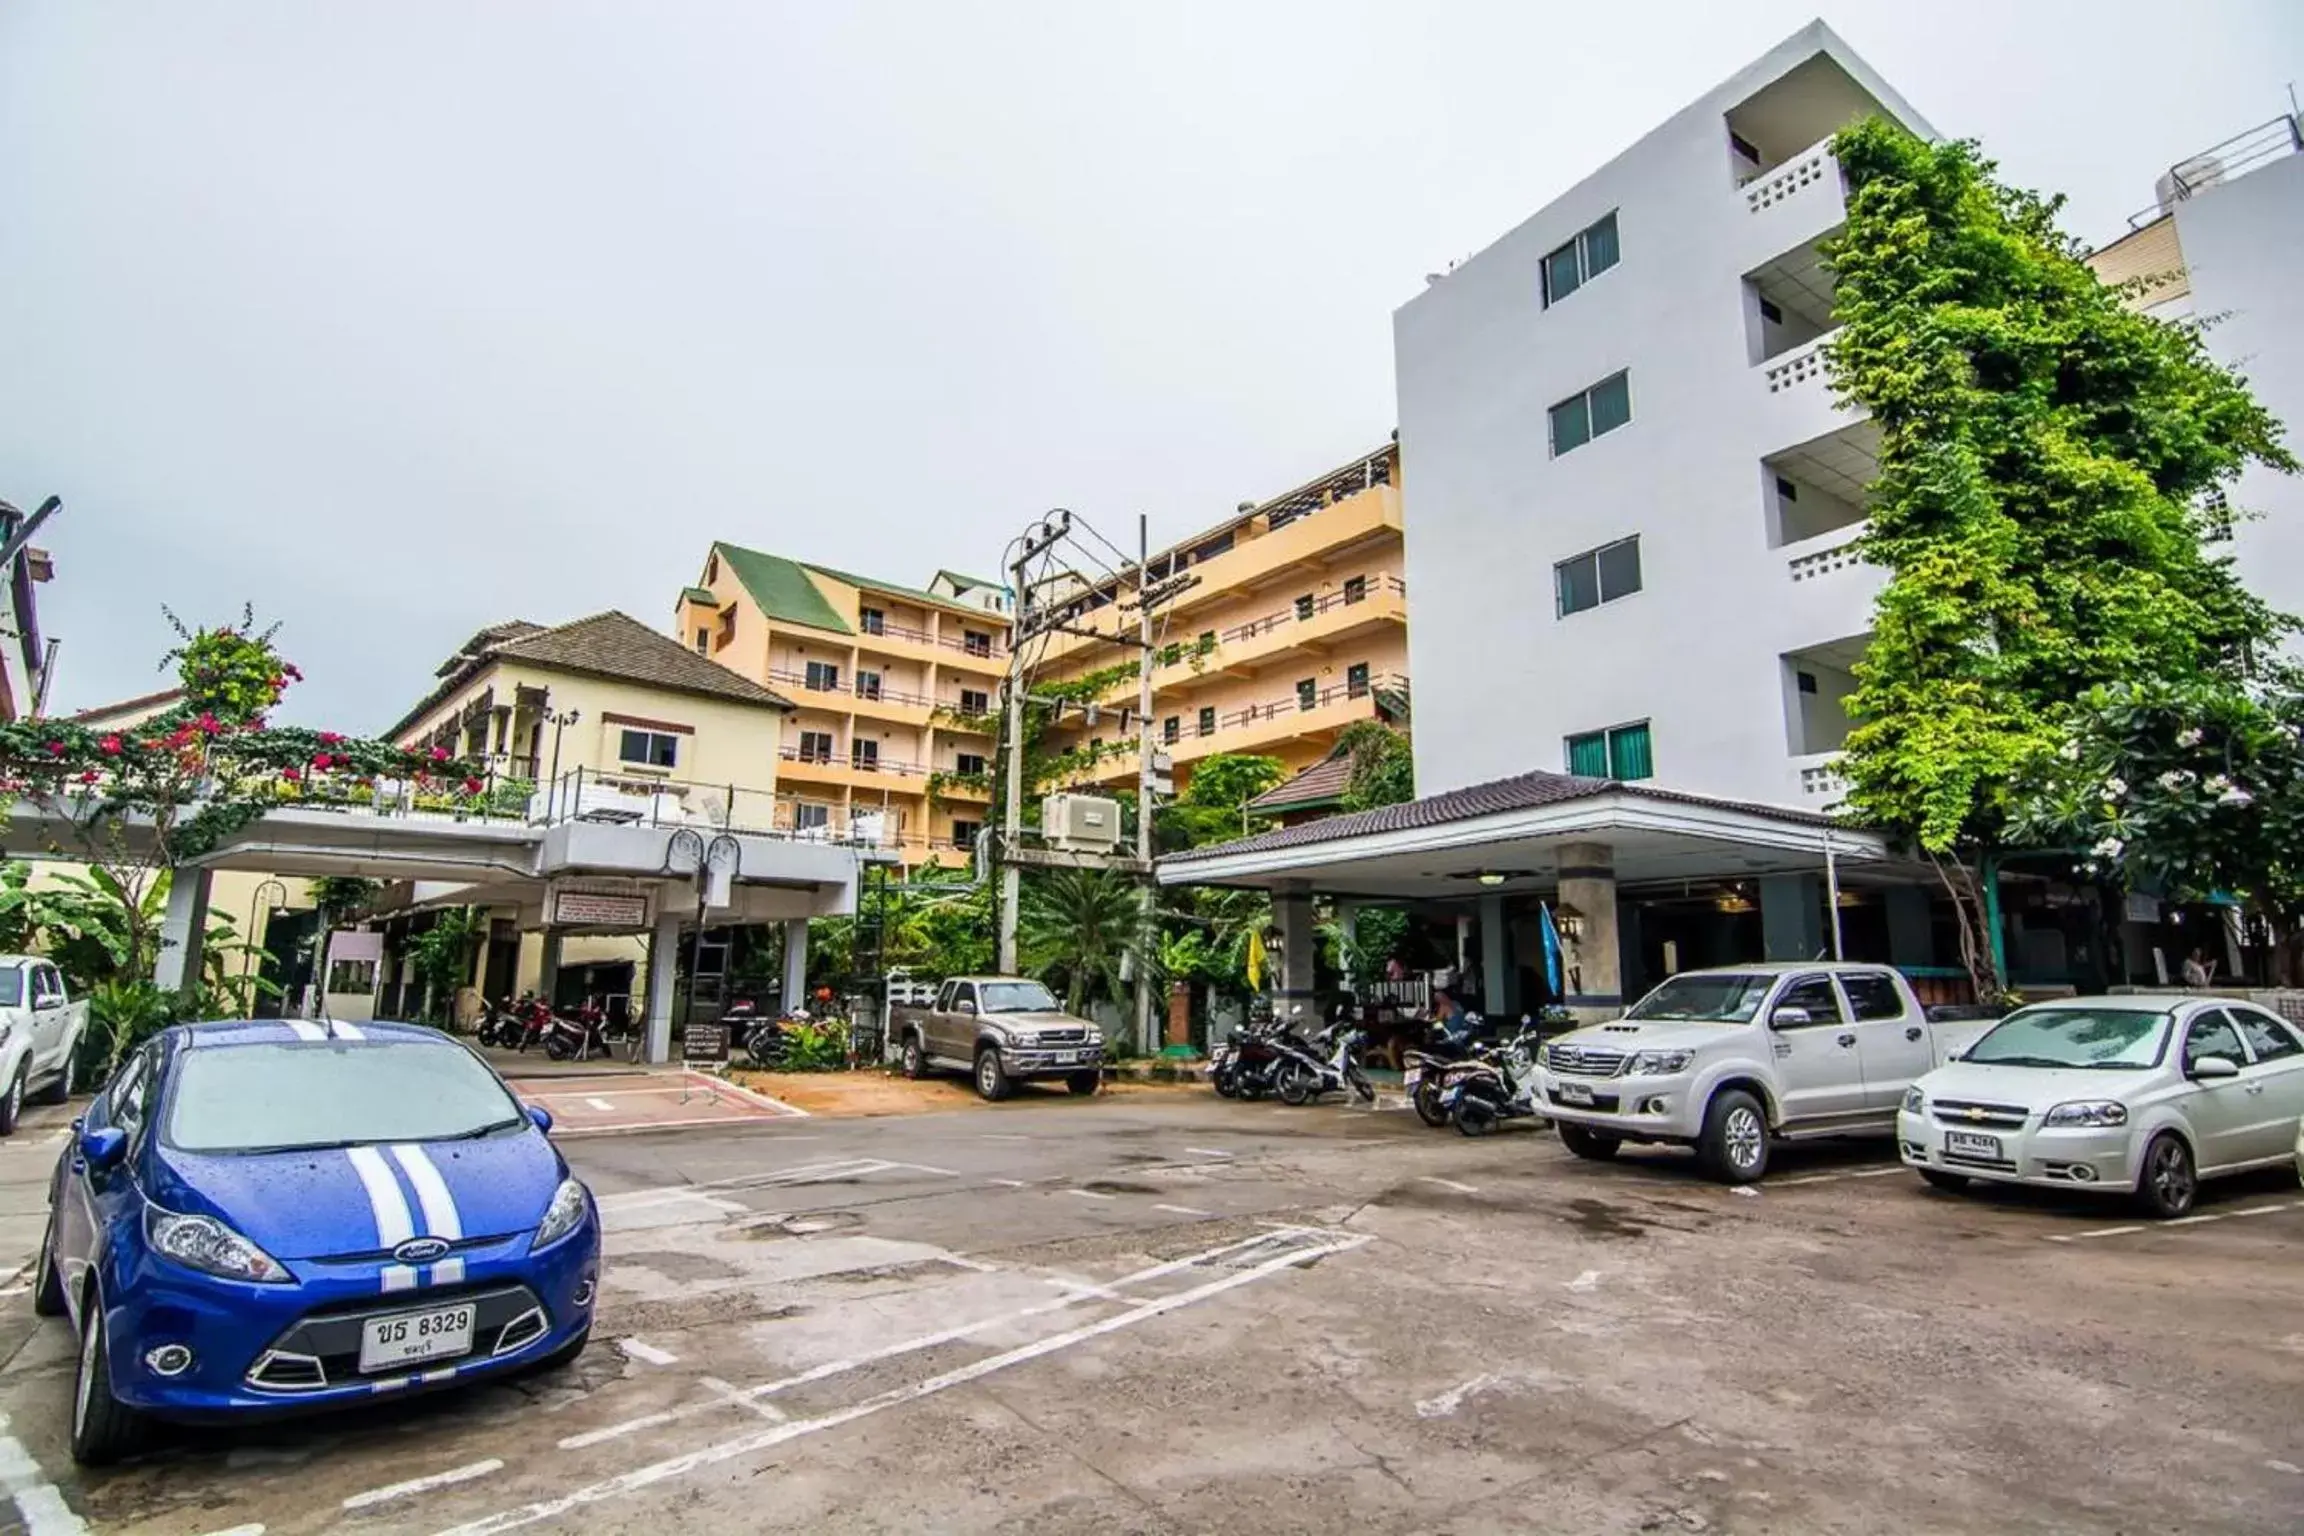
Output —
(1001, 1030)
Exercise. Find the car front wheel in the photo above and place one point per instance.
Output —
(1950, 1183)
(2169, 1183)
(1085, 1083)
(1734, 1148)
(104, 1429)
(1590, 1144)
(991, 1076)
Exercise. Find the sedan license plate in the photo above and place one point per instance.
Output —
(1573, 1093)
(410, 1336)
(1970, 1144)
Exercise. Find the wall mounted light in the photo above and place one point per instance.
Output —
(1492, 877)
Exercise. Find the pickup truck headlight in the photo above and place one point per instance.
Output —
(1659, 1063)
(207, 1245)
(1915, 1102)
(561, 1216)
(2088, 1112)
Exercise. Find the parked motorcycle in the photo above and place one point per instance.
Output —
(496, 1025)
(766, 1040)
(1327, 1063)
(1429, 1069)
(1498, 1087)
(1244, 1064)
(581, 1035)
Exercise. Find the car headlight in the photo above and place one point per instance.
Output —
(1654, 1063)
(1915, 1102)
(562, 1215)
(2088, 1112)
(207, 1245)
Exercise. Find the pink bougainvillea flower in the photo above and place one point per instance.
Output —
(439, 754)
(55, 749)
(292, 774)
(109, 746)
(209, 724)
(90, 777)
(288, 668)
(330, 738)
(322, 760)
(471, 786)
(181, 736)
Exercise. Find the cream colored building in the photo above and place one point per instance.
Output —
(1294, 625)
(884, 744)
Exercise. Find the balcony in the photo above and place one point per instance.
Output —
(1378, 601)
(1819, 780)
(1812, 171)
(810, 766)
(913, 644)
(1287, 718)
(1822, 486)
(883, 702)
(1818, 681)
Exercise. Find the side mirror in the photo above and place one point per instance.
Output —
(104, 1147)
(1788, 1018)
(2212, 1069)
(964, 1006)
(540, 1117)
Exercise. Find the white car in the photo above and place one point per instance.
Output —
(39, 1036)
(2145, 1094)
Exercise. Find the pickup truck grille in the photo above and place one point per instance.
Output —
(1963, 1113)
(1583, 1060)
(1060, 1037)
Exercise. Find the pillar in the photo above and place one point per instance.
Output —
(184, 931)
(795, 994)
(548, 969)
(1911, 930)
(1792, 917)
(663, 979)
(1293, 911)
(1594, 961)
(1499, 983)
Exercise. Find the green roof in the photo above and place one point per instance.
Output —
(782, 589)
(699, 595)
(959, 580)
(897, 587)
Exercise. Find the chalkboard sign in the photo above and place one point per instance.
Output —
(704, 1042)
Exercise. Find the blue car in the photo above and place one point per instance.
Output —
(259, 1218)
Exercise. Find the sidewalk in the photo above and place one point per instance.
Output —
(27, 1161)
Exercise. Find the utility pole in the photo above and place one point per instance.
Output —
(1037, 540)
(1144, 770)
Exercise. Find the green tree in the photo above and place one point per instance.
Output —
(1383, 765)
(1214, 805)
(1075, 928)
(2043, 455)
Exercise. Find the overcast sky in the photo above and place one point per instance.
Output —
(404, 318)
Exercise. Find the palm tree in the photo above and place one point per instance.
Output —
(1080, 924)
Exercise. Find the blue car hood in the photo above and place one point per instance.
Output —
(315, 1204)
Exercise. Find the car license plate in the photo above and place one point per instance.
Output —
(409, 1336)
(1969, 1144)
(1573, 1093)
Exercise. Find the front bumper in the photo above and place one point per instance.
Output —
(1650, 1108)
(2062, 1157)
(1027, 1061)
(272, 1349)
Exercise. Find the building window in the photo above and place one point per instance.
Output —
(727, 635)
(1355, 589)
(975, 701)
(1356, 680)
(650, 749)
(971, 763)
(1622, 753)
(1207, 720)
(1582, 417)
(703, 641)
(1307, 693)
(1206, 642)
(823, 677)
(1598, 576)
(964, 833)
(866, 756)
(1582, 259)
(2215, 517)
(873, 621)
(867, 684)
(1304, 607)
(975, 642)
(815, 746)
(809, 816)
(1172, 728)
(1171, 653)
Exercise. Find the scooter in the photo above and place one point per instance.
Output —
(1428, 1071)
(1244, 1063)
(1497, 1088)
(1328, 1063)
(582, 1036)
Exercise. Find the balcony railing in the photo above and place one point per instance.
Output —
(1823, 562)
(1299, 703)
(880, 694)
(1820, 776)
(1802, 367)
(1343, 597)
(848, 760)
(1811, 167)
(882, 629)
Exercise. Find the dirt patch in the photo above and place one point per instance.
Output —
(839, 1095)
(1115, 1187)
(1604, 1220)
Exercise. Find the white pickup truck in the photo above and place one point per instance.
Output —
(1727, 1061)
(39, 1036)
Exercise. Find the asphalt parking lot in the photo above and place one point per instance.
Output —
(1167, 1313)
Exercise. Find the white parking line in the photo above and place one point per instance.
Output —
(1207, 1152)
(1834, 1178)
(601, 1104)
(240, 1530)
(2181, 1221)
(445, 1479)
(37, 1499)
(738, 1400)
(1007, 1183)
(1088, 1194)
(1182, 1210)
(1462, 1189)
(647, 1353)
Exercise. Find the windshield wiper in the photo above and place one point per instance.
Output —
(490, 1129)
(2022, 1061)
(292, 1146)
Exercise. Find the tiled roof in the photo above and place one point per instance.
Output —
(155, 702)
(1321, 784)
(782, 589)
(1525, 792)
(698, 594)
(612, 645)
(959, 580)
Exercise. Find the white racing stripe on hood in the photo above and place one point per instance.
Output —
(347, 1032)
(394, 1223)
(305, 1029)
(441, 1218)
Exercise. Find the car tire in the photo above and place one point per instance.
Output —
(1950, 1183)
(60, 1090)
(104, 1429)
(991, 1077)
(914, 1061)
(1734, 1146)
(12, 1105)
(1085, 1083)
(1593, 1146)
(48, 1285)
(1426, 1099)
(2168, 1182)
(566, 1354)
(1295, 1085)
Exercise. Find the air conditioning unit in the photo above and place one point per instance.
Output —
(1080, 823)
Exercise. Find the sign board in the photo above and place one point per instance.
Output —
(598, 909)
(704, 1042)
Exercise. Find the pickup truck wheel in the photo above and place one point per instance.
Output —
(915, 1059)
(61, 1089)
(1588, 1143)
(991, 1077)
(2167, 1184)
(1734, 1148)
(1950, 1183)
(12, 1107)
(1083, 1084)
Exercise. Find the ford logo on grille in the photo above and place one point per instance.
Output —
(421, 1250)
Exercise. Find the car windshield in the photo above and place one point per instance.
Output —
(2114, 1038)
(1717, 998)
(1015, 997)
(11, 986)
(279, 1097)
